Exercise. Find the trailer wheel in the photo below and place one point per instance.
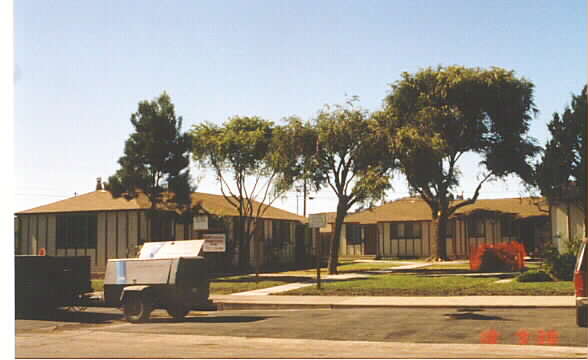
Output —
(178, 312)
(582, 316)
(136, 308)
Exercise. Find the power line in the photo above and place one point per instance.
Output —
(47, 195)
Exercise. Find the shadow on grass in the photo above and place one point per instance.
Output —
(449, 272)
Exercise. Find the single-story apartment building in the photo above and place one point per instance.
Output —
(402, 228)
(98, 225)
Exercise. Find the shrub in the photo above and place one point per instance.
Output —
(534, 276)
(560, 266)
(502, 257)
(573, 245)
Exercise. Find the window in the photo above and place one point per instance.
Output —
(76, 231)
(450, 229)
(280, 233)
(395, 231)
(507, 226)
(476, 227)
(353, 233)
(412, 230)
(405, 230)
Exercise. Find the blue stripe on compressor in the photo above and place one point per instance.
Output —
(121, 272)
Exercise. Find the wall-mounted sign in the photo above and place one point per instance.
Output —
(200, 222)
(214, 242)
(317, 220)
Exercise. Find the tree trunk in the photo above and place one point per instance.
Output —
(243, 243)
(335, 239)
(439, 238)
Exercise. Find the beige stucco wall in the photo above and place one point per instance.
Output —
(117, 236)
(560, 227)
(349, 249)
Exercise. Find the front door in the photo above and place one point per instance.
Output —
(371, 240)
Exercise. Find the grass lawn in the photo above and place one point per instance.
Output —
(97, 284)
(347, 267)
(466, 266)
(239, 283)
(413, 285)
(443, 266)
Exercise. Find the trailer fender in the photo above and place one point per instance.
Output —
(143, 290)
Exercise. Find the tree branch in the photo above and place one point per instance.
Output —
(471, 200)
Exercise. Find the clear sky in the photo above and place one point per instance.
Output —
(82, 67)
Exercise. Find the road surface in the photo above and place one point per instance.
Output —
(355, 333)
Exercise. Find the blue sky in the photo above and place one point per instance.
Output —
(82, 67)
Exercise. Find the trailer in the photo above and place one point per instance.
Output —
(176, 284)
(44, 283)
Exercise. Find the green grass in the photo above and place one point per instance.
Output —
(347, 267)
(234, 284)
(442, 266)
(412, 285)
(97, 284)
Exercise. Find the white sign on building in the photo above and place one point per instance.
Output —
(214, 242)
(200, 222)
(317, 220)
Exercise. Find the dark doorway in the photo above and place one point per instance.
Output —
(299, 250)
(527, 235)
(371, 239)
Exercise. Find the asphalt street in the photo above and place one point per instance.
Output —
(521, 327)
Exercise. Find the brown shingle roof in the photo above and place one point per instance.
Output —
(101, 200)
(416, 209)
(218, 205)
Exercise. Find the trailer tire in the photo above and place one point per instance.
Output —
(178, 312)
(582, 316)
(136, 308)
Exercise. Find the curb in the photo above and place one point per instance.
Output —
(276, 306)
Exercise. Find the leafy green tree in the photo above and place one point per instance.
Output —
(239, 153)
(435, 116)
(155, 161)
(561, 173)
(340, 149)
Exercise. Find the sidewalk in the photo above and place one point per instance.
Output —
(225, 302)
(82, 344)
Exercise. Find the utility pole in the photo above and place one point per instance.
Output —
(304, 194)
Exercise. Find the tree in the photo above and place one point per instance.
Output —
(435, 116)
(239, 153)
(155, 161)
(561, 173)
(341, 150)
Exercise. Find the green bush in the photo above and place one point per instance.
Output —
(573, 245)
(560, 266)
(534, 276)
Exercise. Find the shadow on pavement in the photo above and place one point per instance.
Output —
(471, 314)
(211, 319)
(72, 316)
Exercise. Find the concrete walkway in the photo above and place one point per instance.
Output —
(330, 302)
(83, 344)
